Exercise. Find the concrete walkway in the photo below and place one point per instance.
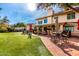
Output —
(54, 50)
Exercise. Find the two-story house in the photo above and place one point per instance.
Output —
(67, 20)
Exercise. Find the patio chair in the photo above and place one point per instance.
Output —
(55, 37)
(65, 35)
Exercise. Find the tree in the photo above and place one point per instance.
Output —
(4, 24)
(19, 25)
(5, 20)
(65, 6)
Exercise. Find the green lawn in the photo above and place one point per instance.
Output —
(15, 44)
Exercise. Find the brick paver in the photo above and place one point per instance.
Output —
(72, 48)
(54, 50)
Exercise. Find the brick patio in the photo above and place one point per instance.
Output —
(70, 49)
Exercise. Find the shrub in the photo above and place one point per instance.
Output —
(10, 29)
(3, 29)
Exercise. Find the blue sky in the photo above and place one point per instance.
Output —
(19, 12)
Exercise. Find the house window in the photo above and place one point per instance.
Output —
(69, 28)
(45, 20)
(71, 16)
(39, 22)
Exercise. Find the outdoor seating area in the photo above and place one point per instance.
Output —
(60, 37)
(69, 44)
(57, 36)
(71, 48)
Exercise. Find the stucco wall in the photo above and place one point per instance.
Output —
(48, 18)
(63, 18)
(75, 29)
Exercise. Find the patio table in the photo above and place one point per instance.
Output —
(57, 34)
